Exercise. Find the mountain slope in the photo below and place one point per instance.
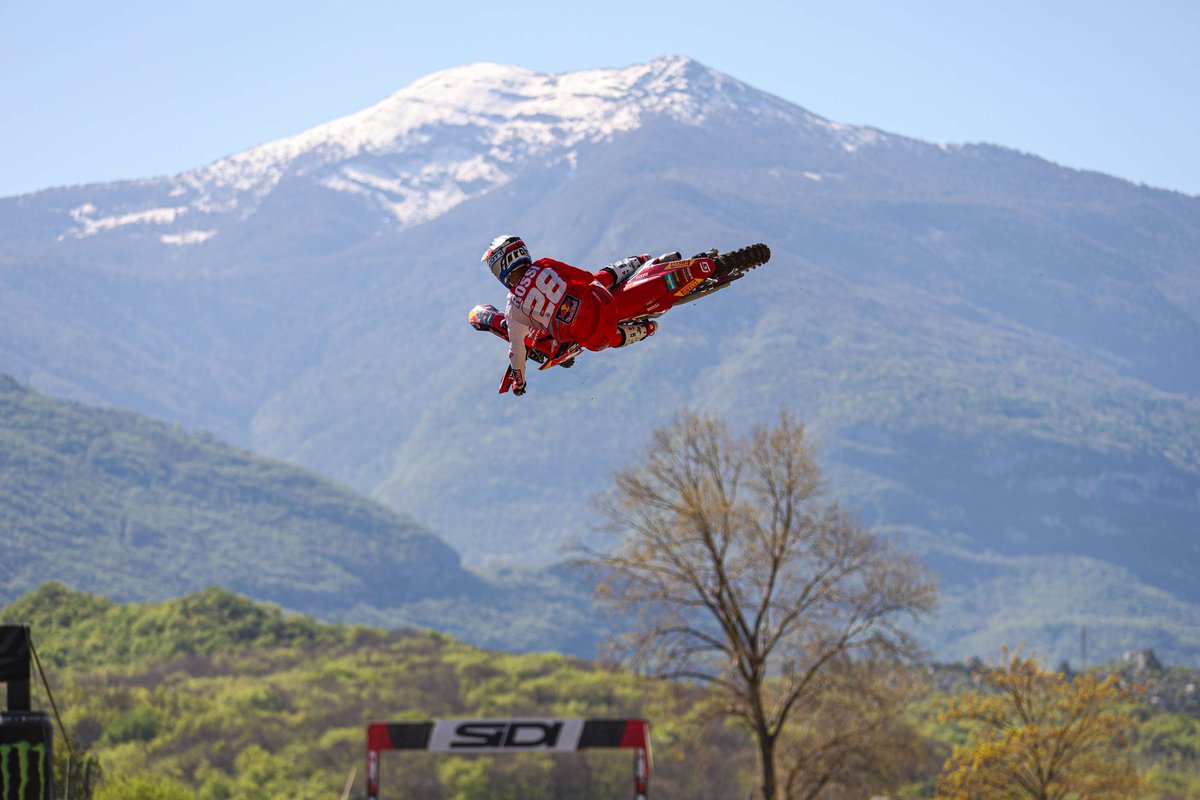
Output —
(988, 345)
(119, 504)
(123, 505)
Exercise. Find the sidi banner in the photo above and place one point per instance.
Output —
(500, 735)
(512, 735)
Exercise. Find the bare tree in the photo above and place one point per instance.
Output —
(735, 570)
(849, 740)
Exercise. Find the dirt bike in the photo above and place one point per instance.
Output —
(655, 288)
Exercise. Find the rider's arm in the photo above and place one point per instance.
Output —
(519, 324)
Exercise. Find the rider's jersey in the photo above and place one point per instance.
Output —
(563, 300)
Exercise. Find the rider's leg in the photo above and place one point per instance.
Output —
(630, 332)
(618, 272)
(596, 326)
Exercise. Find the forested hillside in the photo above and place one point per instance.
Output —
(127, 506)
(236, 700)
(119, 504)
(116, 503)
(215, 697)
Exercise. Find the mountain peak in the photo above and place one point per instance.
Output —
(450, 136)
(587, 103)
(469, 81)
(505, 116)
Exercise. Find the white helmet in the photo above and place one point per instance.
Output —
(505, 254)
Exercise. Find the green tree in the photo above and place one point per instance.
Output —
(142, 786)
(1039, 735)
(735, 570)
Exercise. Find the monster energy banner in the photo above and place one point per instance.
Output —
(26, 757)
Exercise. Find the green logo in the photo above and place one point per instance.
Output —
(23, 751)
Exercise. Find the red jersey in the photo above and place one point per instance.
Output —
(564, 300)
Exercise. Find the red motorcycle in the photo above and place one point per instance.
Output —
(658, 286)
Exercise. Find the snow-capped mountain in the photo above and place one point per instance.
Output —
(451, 137)
(1000, 356)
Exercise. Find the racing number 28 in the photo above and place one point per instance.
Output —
(547, 291)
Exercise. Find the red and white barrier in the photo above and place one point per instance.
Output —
(514, 735)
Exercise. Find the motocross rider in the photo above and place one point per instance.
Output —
(571, 304)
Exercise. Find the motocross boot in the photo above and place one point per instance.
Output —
(620, 271)
(636, 331)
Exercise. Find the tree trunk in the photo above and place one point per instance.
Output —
(766, 752)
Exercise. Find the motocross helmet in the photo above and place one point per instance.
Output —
(505, 254)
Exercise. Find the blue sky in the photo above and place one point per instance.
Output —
(103, 91)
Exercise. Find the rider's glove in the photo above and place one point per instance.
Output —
(518, 387)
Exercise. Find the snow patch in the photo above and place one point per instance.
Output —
(187, 237)
(424, 191)
(90, 227)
